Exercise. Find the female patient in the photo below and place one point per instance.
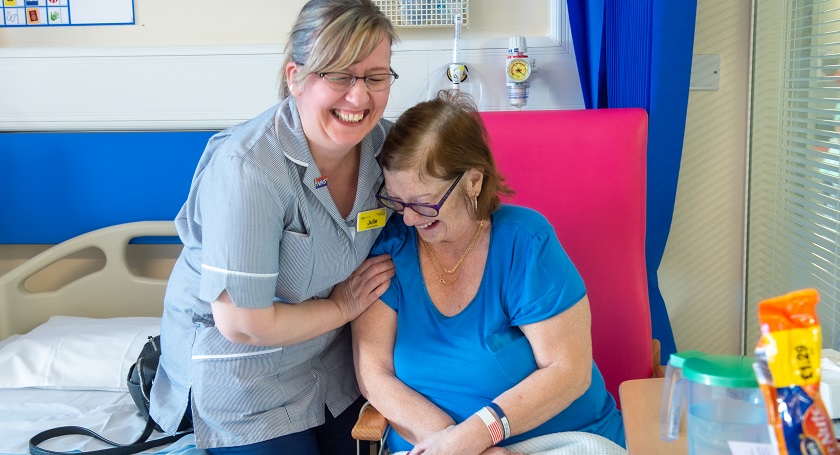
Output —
(483, 337)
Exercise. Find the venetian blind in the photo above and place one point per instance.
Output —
(793, 223)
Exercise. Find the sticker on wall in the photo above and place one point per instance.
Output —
(58, 15)
(34, 15)
(14, 16)
(22, 13)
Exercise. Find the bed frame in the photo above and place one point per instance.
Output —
(113, 291)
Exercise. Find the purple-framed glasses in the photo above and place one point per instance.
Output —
(430, 210)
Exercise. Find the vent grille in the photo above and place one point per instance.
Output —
(425, 13)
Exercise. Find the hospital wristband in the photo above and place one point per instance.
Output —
(496, 431)
(502, 418)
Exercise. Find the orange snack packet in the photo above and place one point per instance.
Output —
(788, 372)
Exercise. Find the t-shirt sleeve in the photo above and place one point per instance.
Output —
(241, 227)
(393, 240)
(543, 282)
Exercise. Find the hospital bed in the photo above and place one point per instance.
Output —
(64, 353)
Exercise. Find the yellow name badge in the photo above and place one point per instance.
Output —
(370, 219)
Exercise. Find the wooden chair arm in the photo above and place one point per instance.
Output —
(370, 426)
(656, 363)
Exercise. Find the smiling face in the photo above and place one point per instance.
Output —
(336, 121)
(456, 219)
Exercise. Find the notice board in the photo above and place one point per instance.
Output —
(39, 13)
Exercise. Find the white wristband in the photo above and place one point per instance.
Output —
(502, 418)
(496, 431)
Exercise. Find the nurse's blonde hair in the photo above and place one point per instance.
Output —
(331, 35)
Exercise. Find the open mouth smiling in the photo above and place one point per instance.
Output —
(348, 116)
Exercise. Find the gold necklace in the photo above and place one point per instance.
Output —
(436, 263)
(439, 277)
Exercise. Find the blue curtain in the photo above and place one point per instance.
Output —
(637, 53)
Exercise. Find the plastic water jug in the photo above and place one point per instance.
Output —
(724, 408)
(673, 398)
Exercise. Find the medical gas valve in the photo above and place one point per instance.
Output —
(518, 71)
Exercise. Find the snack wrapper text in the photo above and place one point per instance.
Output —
(787, 369)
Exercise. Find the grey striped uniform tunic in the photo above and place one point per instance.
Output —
(255, 224)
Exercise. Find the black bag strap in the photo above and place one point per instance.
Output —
(137, 446)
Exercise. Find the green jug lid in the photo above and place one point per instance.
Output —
(732, 371)
(678, 358)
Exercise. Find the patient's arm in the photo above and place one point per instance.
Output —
(409, 412)
(563, 352)
(417, 419)
(562, 348)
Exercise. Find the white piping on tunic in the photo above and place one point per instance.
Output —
(233, 356)
(298, 162)
(232, 272)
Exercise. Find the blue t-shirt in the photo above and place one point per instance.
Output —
(463, 362)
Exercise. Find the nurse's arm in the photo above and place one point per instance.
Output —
(282, 324)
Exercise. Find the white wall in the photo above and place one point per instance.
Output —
(216, 70)
(701, 271)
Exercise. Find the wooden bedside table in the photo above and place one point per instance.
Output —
(640, 400)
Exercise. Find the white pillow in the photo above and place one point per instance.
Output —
(76, 353)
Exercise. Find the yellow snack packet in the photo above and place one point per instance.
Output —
(788, 372)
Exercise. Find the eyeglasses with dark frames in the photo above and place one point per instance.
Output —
(341, 82)
(429, 210)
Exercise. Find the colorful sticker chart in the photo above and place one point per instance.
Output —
(39, 13)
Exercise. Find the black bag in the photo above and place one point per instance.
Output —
(140, 377)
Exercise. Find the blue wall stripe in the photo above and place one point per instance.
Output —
(55, 186)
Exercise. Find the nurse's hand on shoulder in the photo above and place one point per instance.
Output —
(364, 286)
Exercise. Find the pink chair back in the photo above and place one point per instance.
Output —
(585, 170)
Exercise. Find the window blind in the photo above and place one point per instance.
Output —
(794, 176)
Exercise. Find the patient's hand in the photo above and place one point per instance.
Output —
(443, 442)
(500, 451)
(453, 441)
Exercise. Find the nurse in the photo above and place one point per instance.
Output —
(255, 341)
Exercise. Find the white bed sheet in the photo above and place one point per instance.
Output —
(28, 411)
(7, 340)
